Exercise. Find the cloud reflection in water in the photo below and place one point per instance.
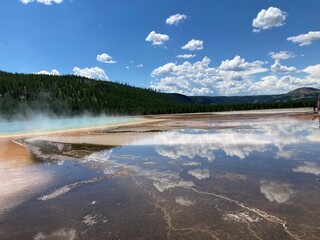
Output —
(308, 167)
(274, 191)
(235, 142)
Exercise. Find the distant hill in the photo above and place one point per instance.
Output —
(21, 94)
(303, 93)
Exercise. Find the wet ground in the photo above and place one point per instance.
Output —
(233, 179)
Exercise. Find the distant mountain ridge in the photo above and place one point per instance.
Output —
(304, 94)
(21, 94)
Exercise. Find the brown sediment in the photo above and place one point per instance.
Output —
(13, 155)
(108, 139)
(19, 180)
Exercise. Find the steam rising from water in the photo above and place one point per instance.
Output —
(45, 123)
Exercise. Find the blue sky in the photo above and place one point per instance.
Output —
(208, 47)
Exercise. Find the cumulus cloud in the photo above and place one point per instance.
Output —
(46, 2)
(276, 192)
(313, 71)
(282, 55)
(272, 84)
(277, 67)
(157, 38)
(105, 58)
(198, 78)
(94, 73)
(53, 72)
(193, 45)
(239, 64)
(233, 77)
(269, 18)
(305, 39)
(140, 66)
(186, 56)
(175, 19)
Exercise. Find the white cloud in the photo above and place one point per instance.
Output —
(105, 58)
(53, 72)
(305, 39)
(277, 67)
(46, 2)
(240, 64)
(266, 19)
(276, 192)
(140, 66)
(94, 73)
(49, 2)
(186, 56)
(157, 38)
(308, 167)
(273, 84)
(281, 55)
(231, 77)
(200, 173)
(313, 71)
(175, 19)
(193, 45)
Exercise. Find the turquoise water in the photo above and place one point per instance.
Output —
(47, 124)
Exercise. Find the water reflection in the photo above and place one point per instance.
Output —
(200, 173)
(184, 201)
(255, 179)
(278, 192)
(65, 234)
(308, 167)
(259, 137)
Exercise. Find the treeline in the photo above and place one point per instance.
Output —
(74, 95)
